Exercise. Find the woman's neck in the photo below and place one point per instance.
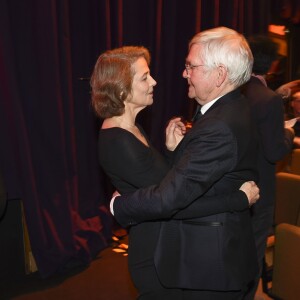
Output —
(125, 121)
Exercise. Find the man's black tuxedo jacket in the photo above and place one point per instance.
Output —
(216, 156)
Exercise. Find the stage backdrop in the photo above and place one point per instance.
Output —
(47, 129)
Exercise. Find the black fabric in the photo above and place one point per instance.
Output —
(128, 162)
(131, 165)
(3, 198)
(214, 156)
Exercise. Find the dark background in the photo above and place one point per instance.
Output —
(48, 132)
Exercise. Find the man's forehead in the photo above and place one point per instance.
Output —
(194, 52)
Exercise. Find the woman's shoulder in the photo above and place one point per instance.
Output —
(114, 135)
(117, 140)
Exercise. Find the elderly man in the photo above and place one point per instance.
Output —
(210, 257)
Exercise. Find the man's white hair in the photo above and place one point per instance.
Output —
(226, 47)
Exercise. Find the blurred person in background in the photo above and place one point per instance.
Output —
(293, 111)
(275, 141)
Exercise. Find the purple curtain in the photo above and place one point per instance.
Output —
(48, 154)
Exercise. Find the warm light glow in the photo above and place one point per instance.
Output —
(277, 29)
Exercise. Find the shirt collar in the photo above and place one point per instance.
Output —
(206, 106)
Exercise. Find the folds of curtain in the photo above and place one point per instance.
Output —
(48, 152)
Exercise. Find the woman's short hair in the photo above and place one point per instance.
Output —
(112, 78)
(224, 46)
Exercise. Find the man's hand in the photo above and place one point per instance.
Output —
(251, 190)
(175, 132)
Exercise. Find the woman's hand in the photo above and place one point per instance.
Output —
(297, 142)
(251, 190)
(175, 132)
(287, 89)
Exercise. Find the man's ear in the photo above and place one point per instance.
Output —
(222, 74)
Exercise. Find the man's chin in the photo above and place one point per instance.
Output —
(191, 92)
(191, 95)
